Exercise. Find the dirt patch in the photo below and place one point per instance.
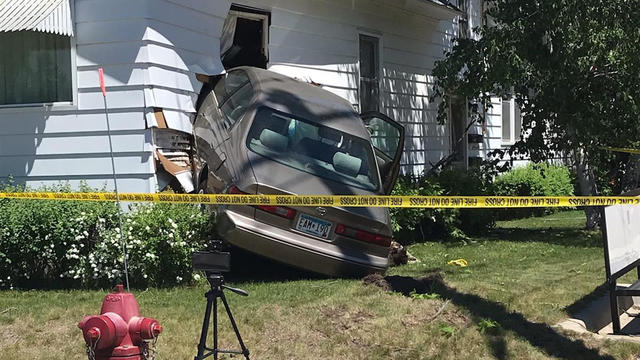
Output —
(398, 255)
(343, 319)
(8, 336)
(426, 310)
(404, 284)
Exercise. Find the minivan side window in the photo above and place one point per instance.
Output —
(229, 84)
(236, 106)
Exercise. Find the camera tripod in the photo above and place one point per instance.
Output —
(216, 281)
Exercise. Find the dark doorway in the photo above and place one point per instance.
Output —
(248, 31)
(459, 124)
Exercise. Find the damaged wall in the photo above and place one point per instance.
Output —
(151, 51)
(317, 40)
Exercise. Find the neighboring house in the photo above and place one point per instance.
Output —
(156, 54)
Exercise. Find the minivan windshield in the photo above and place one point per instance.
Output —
(315, 149)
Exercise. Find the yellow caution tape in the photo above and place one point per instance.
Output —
(342, 200)
(459, 262)
(623, 150)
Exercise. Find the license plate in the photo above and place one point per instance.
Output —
(314, 226)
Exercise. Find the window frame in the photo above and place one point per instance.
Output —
(56, 105)
(380, 68)
(513, 121)
(371, 154)
(230, 98)
(249, 13)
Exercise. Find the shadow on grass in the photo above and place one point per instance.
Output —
(249, 267)
(598, 292)
(570, 237)
(539, 335)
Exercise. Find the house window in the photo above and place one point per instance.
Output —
(35, 68)
(511, 121)
(369, 73)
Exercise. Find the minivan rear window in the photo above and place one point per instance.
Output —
(315, 149)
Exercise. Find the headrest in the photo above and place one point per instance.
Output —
(330, 134)
(346, 164)
(273, 140)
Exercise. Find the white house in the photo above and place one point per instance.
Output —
(377, 54)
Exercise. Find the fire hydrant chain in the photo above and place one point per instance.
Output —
(91, 349)
(154, 348)
(145, 349)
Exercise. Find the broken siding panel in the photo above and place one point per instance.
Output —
(336, 77)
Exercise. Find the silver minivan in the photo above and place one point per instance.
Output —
(260, 132)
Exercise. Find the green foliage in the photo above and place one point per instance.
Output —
(520, 181)
(487, 325)
(48, 241)
(60, 244)
(430, 296)
(476, 181)
(572, 67)
(447, 330)
(448, 224)
(160, 239)
(410, 218)
(537, 179)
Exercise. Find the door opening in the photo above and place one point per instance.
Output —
(245, 37)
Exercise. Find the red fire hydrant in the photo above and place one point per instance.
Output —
(119, 332)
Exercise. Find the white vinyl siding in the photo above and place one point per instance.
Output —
(150, 51)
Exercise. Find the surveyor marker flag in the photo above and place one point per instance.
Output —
(341, 200)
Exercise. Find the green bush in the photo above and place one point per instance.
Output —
(41, 241)
(473, 182)
(411, 224)
(61, 244)
(534, 180)
(160, 239)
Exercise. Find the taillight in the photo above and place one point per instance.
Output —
(363, 235)
(285, 212)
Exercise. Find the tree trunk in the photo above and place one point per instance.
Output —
(587, 184)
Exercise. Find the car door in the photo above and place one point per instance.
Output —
(233, 112)
(211, 131)
(387, 138)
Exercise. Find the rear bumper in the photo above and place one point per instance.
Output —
(295, 249)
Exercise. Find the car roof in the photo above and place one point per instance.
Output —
(306, 101)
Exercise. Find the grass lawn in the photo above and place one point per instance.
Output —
(525, 276)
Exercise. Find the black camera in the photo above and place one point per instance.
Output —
(214, 260)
